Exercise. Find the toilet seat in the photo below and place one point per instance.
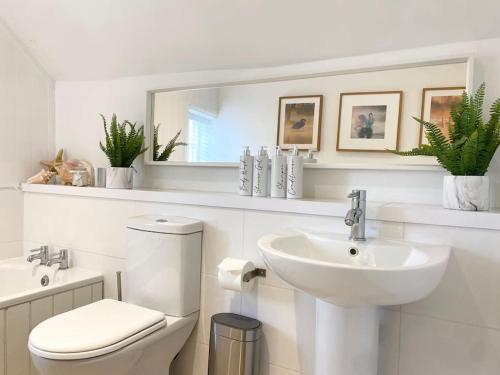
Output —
(94, 330)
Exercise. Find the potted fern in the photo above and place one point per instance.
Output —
(124, 143)
(466, 154)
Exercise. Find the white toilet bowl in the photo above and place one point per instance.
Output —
(109, 338)
(140, 337)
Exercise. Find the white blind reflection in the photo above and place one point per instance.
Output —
(200, 131)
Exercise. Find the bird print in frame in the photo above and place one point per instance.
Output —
(299, 122)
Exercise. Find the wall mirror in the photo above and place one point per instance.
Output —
(346, 118)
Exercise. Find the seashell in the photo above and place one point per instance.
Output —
(65, 172)
(42, 177)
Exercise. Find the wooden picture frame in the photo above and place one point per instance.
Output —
(299, 122)
(369, 121)
(454, 94)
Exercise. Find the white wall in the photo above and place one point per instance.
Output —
(26, 132)
(455, 331)
(78, 127)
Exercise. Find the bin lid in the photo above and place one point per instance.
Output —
(236, 327)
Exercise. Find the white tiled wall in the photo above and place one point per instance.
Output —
(26, 128)
(11, 223)
(454, 331)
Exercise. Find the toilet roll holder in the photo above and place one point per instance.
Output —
(257, 272)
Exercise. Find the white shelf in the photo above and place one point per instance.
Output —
(396, 212)
(340, 166)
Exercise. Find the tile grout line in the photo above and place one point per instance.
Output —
(433, 317)
(243, 223)
(400, 339)
(400, 335)
(284, 368)
(4, 365)
(262, 285)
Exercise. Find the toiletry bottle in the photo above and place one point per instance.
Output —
(260, 172)
(246, 172)
(295, 174)
(278, 174)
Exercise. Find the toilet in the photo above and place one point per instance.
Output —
(145, 333)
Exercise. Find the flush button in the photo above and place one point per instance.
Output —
(161, 220)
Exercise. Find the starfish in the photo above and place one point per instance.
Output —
(56, 164)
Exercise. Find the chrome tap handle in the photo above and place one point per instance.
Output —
(355, 217)
(41, 249)
(62, 258)
(42, 254)
(353, 194)
(360, 194)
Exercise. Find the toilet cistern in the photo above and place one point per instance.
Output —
(355, 217)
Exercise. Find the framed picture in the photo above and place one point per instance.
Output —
(436, 107)
(299, 122)
(369, 121)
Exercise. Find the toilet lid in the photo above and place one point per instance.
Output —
(92, 330)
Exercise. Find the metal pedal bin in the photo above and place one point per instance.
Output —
(234, 345)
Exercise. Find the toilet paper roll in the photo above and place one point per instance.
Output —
(231, 273)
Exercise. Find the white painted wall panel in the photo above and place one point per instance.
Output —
(41, 309)
(82, 296)
(2, 342)
(18, 329)
(16, 323)
(63, 302)
(97, 291)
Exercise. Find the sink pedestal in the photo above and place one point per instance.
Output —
(346, 340)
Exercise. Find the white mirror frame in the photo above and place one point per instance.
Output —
(284, 74)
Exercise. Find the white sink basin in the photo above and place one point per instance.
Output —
(379, 273)
(350, 280)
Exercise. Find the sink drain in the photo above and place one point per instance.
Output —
(353, 251)
(45, 280)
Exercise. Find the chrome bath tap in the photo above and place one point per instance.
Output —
(42, 253)
(61, 258)
(355, 217)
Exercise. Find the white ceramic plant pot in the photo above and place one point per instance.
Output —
(468, 193)
(119, 178)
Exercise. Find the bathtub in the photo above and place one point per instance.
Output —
(29, 294)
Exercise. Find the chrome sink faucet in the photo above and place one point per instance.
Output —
(62, 258)
(42, 253)
(355, 217)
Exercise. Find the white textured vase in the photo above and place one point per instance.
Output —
(468, 193)
(119, 178)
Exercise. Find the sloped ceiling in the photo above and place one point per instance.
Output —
(103, 39)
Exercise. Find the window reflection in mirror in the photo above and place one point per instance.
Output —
(200, 147)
